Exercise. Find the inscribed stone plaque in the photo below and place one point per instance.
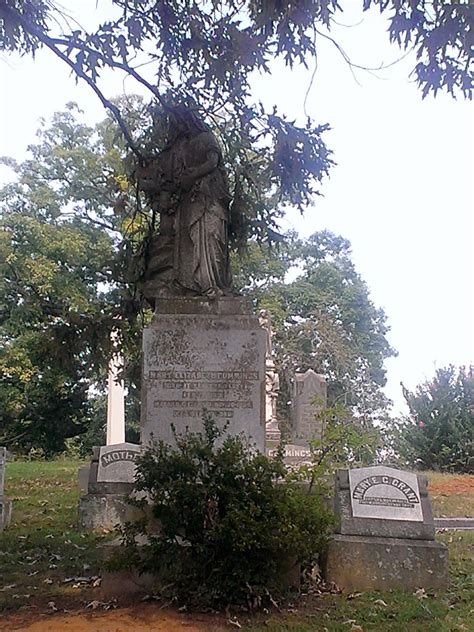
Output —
(308, 387)
(200, 357)
(385, 493)
(117, 463)
(293, 455)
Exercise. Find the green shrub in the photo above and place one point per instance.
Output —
(228, 520)
(439, 432)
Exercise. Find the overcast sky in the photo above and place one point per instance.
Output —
(402, 191)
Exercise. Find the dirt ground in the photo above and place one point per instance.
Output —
(455, 485)
(146, 618)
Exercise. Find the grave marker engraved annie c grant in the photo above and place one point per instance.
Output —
(384, 493)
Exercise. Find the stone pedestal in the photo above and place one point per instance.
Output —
(385, 539)
(203, 356)
(105, 512)
(358, 563)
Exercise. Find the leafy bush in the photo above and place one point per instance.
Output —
(439, 432)
(229, 522)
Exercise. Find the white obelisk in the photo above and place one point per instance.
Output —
(115, 399)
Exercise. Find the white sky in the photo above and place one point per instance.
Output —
(402, 191)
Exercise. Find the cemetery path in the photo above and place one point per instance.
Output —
(137, 619)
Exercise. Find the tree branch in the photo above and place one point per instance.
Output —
(50, 43)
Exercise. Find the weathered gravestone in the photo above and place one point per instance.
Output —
(386, 536)
(203, 357)
(5, 503)
(308, 387)
(204, 351)
(111, 478)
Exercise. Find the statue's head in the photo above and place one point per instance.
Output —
(183, 119)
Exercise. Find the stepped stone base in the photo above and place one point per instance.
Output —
(105, 512)
(359, 563)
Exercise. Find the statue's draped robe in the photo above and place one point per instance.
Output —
(201, 247)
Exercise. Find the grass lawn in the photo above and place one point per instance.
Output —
(45, 564)
(41, 548)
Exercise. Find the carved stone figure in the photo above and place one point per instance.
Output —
(187, 185)
(266, 323)
(272, 380)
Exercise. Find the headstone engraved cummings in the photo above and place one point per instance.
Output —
(386, 535)
(202, 356)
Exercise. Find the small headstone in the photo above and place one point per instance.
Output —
(83, 477)
(386, 534)
(5, 503)
(117, 463)
(3, 461)
(307, 388)
(111, 479)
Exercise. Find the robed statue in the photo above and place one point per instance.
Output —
(186, 184)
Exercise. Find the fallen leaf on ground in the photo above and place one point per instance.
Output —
(380, 602)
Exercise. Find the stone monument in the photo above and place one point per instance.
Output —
(5, 503)
(272, 381)
(115, 429)
(115, 398)
(386, 536)
(309, 393)
(204, 352)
